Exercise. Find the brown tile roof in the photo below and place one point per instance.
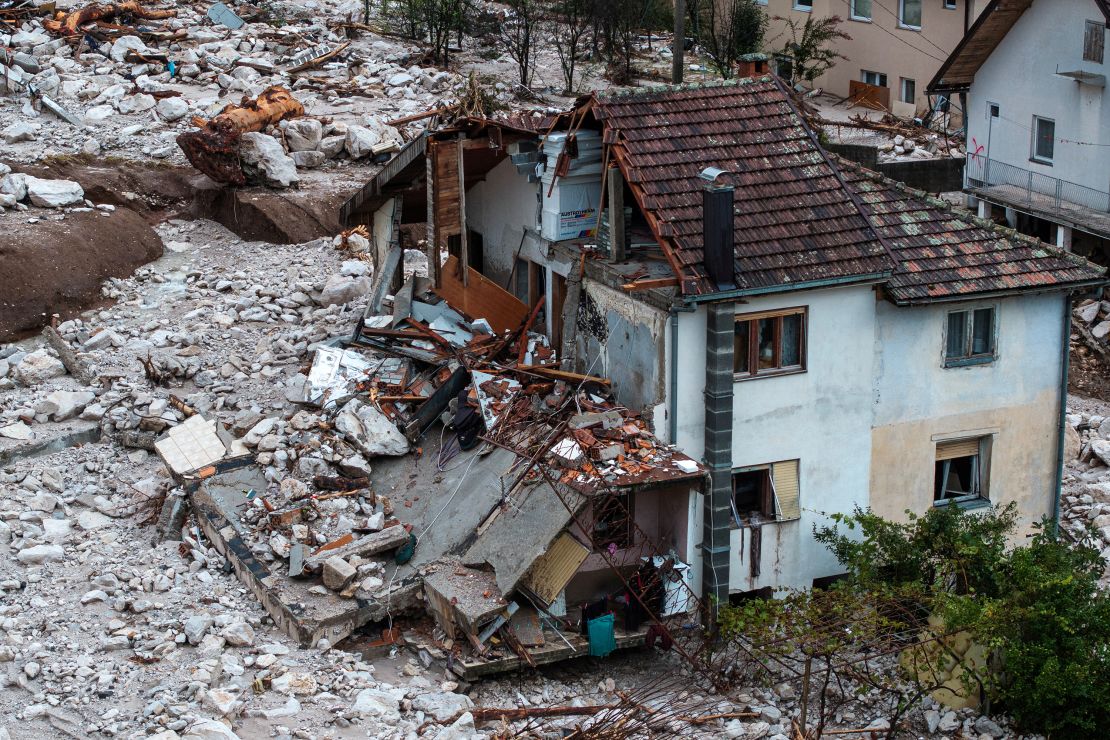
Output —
(942, 253)
(795, 222)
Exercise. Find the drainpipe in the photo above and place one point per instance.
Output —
(717, 214)
(1065, 361)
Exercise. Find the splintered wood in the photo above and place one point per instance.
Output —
(214, 148)
(69, 24)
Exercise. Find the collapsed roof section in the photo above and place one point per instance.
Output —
(794, 220)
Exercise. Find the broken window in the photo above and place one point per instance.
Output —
(769, 343)
(970, 337)
(766, 493)
(613, 521)
(959, 474)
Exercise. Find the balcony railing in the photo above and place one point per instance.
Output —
(1042, 193)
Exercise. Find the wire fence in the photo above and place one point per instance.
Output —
(1040, 191)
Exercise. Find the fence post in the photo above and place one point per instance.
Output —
(1059, 183)
(1029, 187)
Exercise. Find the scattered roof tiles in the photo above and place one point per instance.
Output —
(795, 221)
(942, 254)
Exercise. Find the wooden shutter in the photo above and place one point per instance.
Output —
(784, 478)
(1093, 39)
(553, 570)
(957, 448)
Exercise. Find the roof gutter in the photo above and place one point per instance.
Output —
(729, 295)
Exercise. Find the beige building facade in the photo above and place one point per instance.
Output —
(897, 45)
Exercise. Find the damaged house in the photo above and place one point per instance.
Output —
(818, 337)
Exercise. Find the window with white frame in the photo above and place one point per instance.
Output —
(949, 4)
(908, 91)
(1044, 139)
(909, 13)
(861, 10)
(970, 337)
(806, 5)
(960, 471)
(877, 79)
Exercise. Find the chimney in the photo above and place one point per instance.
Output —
(717, 234)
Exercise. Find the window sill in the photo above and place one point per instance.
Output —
(742, 377)
(965, 504)
(859, 20)
(970, 361)
(1045, 162)
(803, 9)
(760, 523)
(904, 27)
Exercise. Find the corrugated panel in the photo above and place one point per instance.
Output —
(784, 477)
(551, 573)
(957, 448)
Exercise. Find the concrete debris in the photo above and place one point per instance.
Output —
(369, 430)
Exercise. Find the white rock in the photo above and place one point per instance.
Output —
(54, 193)
(125, 44)
(19, 431)
(308, 160)
(1089, 312)
(338, 573)
(399, 79)
(442, 705)
(1101, 448)
(208, 729)
(19, 131)
(238, 634)
(37, 367)
(69, 403)
(304, 134)
(40, 554)
(136, 103)
(332, 146)
(340, 289)
(90, 520)
(15, 184)
(195, 628)
(172, 109)
(99, 114)
(220, 700)
(263, 157)
(369, 430)
(461, 729)
(384, 705)
(360, 141)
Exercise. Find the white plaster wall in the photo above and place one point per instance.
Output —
(1014, 399)
(1020, 77)
(499, 208)
(821, 417)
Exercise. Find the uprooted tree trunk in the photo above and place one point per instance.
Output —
(67, 24)
(214, 148)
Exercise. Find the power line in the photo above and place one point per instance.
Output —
(899, 38)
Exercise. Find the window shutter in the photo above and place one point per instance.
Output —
(784, 477)
(1093, 40)
(957, 448)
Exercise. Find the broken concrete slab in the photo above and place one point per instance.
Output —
(299, 612)
(49, 438)
(389, 538)
(369, 431)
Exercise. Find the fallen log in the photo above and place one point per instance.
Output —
(214, 148)
(69, 24)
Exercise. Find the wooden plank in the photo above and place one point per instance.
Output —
(861, 91)
(555, 373)
(483, 298)
(650, 283)
(551, 573)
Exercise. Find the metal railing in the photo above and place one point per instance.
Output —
(1040, 191)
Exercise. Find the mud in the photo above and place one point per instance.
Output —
(56, 267)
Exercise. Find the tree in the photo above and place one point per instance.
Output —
(809, 46)
(431, 20)
(729, 30)
(570, 23)
(517, 36)
(1038, 608)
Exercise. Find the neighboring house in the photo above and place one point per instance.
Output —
(1038, 144)
(896, 45)
(820, 337)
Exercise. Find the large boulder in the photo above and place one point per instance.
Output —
(263, 158)
(442, 705)
(125, 44)
(68, 404)
(38, 367)
(370, 431)
(340, 289)
(360, 141)
(304, 134)
(14, 184)
(172, 109)
(384, 705)
(54, 193)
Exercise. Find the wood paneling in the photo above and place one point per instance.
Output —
(481, 299)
